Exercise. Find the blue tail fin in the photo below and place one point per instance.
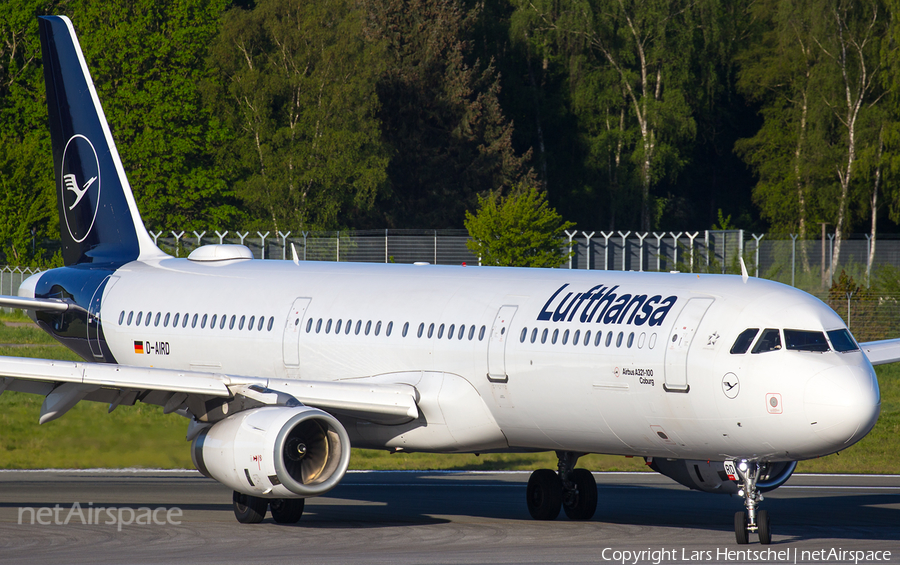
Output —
(98, 219)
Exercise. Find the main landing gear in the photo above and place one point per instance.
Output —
(252, 509)
(753, 520)
(571, 489)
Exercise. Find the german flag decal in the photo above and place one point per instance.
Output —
(139, 347)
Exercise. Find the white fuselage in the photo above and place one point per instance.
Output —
(660, 382)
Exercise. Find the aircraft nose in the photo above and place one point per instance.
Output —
(842, 404)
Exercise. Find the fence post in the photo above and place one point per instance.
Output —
(624, 247)
(869, 258)
(199, 237)
(831, 259)
(641, 250)
(284, 237)
(753, 235)
(793, 256)
(435, 248)
(692, 237)
(338, 240)
(675, 247)
(241, 236)
(571, 235)
(659, 237)
(156, 237)
(222, 236)
(606, 237)
(305, 233)
(587, 244)
(386, 246)
(706, 236)
(178, 242)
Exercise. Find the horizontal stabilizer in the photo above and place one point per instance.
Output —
(37, 304)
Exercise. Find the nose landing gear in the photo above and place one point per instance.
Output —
(573, 490)
(751, 520)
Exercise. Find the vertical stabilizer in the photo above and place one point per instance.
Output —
(98, 219)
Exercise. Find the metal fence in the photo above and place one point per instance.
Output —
(440, 247)
(791, 261)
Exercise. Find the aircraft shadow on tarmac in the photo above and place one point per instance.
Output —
(371, 501)
(419, 498)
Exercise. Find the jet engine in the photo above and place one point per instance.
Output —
(275, 452)
(710, 476)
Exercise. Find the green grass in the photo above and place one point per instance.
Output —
(142, 436)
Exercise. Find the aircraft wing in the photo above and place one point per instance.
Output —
(882, 352)
(41, 304)
(65, 383)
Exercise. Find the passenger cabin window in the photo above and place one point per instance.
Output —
(743, 341)
(842, 341)
(799, 340)
(769, 341)
(390, 327)
(405, 329)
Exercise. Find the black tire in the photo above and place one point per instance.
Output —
(765, 530)
(544, 495)
(741, 533)
(249, 509)
(287, 510)
(582, 503)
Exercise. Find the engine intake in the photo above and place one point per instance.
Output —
(710, 476)
(275, 452)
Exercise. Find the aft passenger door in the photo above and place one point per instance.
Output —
(292, 328)
(679, 343)
(497, 344)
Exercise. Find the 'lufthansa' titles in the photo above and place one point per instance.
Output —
(603, 305)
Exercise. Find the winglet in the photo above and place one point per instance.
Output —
(744, 274)
(294, 253)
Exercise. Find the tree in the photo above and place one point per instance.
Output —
(518, 230)
(788, 152)
(297, 89)
(440, 114)
(636, 57)
(27, 193)
(147, 61)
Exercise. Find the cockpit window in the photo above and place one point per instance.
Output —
(743, 341)
(799, 340)
(769, 341)
(842, 341)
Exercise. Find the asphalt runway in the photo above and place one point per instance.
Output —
(425, 517)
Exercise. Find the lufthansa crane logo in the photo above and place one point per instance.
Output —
(80, 186)
(731, 385)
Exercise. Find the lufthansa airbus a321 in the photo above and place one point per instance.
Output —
(720, 382)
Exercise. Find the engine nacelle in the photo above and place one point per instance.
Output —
(275, 452)
(710, 476)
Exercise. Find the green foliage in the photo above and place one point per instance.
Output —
(440, 112)
(147, 61)
(519, 230)
(296, 86)
(27, 196)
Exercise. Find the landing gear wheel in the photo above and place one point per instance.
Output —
(287, 510)
(544, 494)
(741, 531)
(581, 503)
(762, 522)
(249, 509)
